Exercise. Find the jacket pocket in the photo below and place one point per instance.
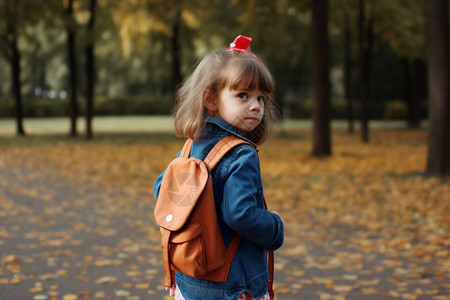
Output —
(187, 251)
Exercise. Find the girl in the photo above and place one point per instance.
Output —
(230, 93)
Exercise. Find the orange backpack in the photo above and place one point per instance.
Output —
(185, 211)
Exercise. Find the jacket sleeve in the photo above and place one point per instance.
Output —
(242, 206)
(157, 185)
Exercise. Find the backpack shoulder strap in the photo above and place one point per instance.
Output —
(186, 151)
(221, 148)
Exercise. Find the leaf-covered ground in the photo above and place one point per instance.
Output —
(76, 218)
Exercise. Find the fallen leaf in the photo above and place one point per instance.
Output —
(106, 279)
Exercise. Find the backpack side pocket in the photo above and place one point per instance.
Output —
(187, 251)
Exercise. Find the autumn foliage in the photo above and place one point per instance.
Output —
(365, 202)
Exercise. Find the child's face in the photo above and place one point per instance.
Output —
(243, 109)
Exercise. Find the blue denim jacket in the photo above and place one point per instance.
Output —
(239, 200)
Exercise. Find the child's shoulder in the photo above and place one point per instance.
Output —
(243, 154)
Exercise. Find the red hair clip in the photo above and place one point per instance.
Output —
(240, 44)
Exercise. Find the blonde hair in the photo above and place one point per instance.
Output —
(217, 70)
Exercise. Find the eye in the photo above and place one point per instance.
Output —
(261, 99)
(243, 96)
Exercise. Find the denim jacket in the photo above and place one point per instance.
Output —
(239, 200)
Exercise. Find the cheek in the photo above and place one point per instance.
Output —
(229, 108)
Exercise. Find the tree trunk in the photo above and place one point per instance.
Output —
(15, 77)
(320, 79)
(73, 71)
(347, 71)
(90, 72)
(438, 48)
(365, 52)
(413, 89)
(13, 56)
(417, 93)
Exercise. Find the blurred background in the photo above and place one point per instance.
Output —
(139, 50)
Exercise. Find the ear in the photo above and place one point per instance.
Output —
(209, 100)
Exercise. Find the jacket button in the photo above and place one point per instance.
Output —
(169, 218)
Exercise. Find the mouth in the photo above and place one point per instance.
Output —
(254, 119)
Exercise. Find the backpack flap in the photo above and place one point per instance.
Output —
(181, 187)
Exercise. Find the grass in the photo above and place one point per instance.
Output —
(115, 138)
(100, 124)
(134, 129)
(111, 129)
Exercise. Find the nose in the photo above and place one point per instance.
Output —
(255, 105)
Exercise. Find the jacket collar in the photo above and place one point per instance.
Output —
(227, 128)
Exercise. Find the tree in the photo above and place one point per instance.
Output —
(90, 70)
(166, 19)
(401, 24)
(438, 51)
(288, 55)
(11, 14)
(320, 79)
(418, 93)
(365, 41)
(175, 41)
(16, 19)
(414, 89)
(348, 67)
(71, 58)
